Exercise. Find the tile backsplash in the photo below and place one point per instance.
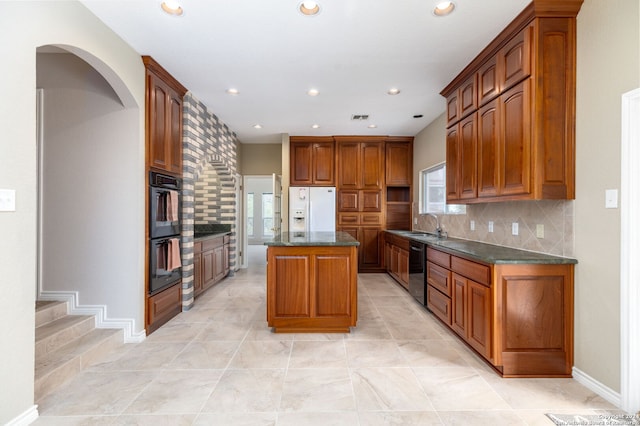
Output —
(555, 216)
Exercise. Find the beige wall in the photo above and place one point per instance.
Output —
(608, 66)
(29, 25)
(608, 63)
(260, 159)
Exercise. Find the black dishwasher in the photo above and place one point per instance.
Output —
(416, 270)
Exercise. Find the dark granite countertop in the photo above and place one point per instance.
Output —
(200, 236)
(293, 239)
(210, 230)
(484, 252)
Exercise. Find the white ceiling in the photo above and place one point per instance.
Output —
(352, 52)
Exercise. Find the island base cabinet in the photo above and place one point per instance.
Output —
(312, 289)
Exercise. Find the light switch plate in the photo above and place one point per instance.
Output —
(472, 225)
(7, 200)
(514, 228)
(540, 230)
(611, 199)
(490, 226)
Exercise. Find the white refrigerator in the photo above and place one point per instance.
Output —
(312, 209)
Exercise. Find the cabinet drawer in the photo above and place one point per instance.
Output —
(474, 271)
(439, 304)
(348, 219)
(212, 243)
(371, 219)
(439, 277)
(436, 256)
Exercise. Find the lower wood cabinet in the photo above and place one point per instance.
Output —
(370, 251)
(519, 317)
(397, 258)
(210, 262)
(312, 289)
(163, 306)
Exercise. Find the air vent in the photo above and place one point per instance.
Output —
(360, 117)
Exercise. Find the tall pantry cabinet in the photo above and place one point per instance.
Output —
(163, 129)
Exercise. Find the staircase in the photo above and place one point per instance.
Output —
(67, 344)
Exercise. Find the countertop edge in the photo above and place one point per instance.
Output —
(210, 236)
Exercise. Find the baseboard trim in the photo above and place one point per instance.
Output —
(26, 418)
(597, 387)
(127, 325)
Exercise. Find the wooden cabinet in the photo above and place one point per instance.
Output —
(163, 306)
(397, 258)
(521, 143)
(360, 181)
(399, 181)
(210, 262)
(519, 317)
(312, 288)
(163, 119)
(312, 161)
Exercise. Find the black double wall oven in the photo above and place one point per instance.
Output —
(165, 267)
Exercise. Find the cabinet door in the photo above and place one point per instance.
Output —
(208, 270)
(218, 263)
(515, 153)
(452, 108)
(395, 260)
(488, 149)
(289, 283)
(468, 100)
(399, 164)
(488, 87)
(174, 132)
(403, 267)
(468, 159)
(371, 201)
(514, 59)
(301, 164)
(332, 293)
(453, 164)
(348, 165)
(370, 248)
(225, 259)
(197, 273)
(323, 158)
(348, 201)
(388, 250)
(372, 165)
(158, 93)
(459, 302)
(479, 317)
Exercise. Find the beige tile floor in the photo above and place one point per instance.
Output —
(219, 364)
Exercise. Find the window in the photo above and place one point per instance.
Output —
(433, 192)
(267, 214)
(250, 214)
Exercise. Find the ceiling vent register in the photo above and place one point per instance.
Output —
(360, 117)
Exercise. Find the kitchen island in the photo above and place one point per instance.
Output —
(312, 282)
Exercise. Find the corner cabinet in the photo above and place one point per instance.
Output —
(163, 119)
(312, 161)
(518, 317)
(511, 112)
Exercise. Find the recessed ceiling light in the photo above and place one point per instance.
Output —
(393, 91)
(372, 126)
(257, 126)
(233, 91)
(313, 92)
(315, 126)
(309, 8)
(172, 7)
(444, 8)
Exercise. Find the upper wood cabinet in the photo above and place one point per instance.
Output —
(312, 161)
(360, 162)
(520, 91)
(163, 119)
(399, 161)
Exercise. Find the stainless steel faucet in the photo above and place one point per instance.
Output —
(438, 227)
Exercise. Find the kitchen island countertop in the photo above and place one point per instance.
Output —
(313, 239)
